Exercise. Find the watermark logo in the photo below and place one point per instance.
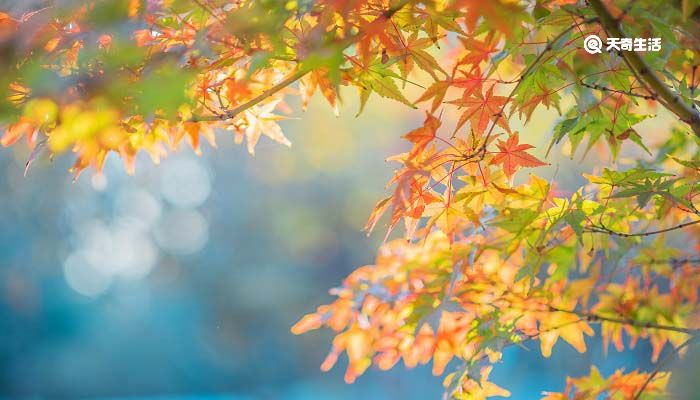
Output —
(594, 44)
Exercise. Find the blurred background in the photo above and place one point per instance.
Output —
(183, 280)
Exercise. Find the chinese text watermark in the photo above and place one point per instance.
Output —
(594, 44)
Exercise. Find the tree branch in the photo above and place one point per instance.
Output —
(639, 67)
(666, 360)
(675, 262)
(611, 90)
(602, 229)
(228, 114)
(592, 317)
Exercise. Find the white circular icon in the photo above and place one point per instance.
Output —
(592, 44)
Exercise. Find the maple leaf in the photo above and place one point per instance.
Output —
(483, 388)
(260, 120)
(541, 87)
(15, 131)
(8, 26)
(412, 51)
(472, 82)
(567, 326)
(480, 110)
(512, 155)
(143, 37)
(499, 15)
(204, 88)
(409, 199)
(422, 136)
(478, 51)
(617, 386)
(236, 89)
(18, 94)
(377, 78)
(319, 79)
(193, 130)
(437, 92)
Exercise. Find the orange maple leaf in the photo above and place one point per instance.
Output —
(513, 155)
(421, 137)
(479, 50)
(481, 110)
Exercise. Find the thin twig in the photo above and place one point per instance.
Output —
(593, 317)
(602, 88)
(603, 229)
(662, 363)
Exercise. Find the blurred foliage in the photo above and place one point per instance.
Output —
(489, 259)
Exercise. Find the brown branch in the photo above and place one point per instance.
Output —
(675, 262)
(588, 316)
(300, 73)
(669, 357)
(593, 317)
(603, 229)
(639, 67)
(602, 88)
(228, 114)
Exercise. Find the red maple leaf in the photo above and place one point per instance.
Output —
(472, 82)
(513, 155)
